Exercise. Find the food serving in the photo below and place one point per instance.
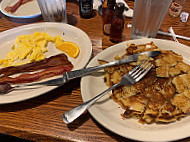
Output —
(53, 66)
(53, 61)
(32, 47)
(13, 8)
(163, 96)
(28, 63)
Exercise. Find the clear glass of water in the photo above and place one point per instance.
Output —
(147, 17)
(53, 10)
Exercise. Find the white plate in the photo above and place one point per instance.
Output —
(71, 33)
(107, 112)
(27, 10)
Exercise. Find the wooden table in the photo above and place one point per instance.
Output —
(40, 118)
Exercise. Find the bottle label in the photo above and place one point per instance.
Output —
(85, 7)
(107, 28)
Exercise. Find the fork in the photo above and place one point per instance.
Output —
(130, 78)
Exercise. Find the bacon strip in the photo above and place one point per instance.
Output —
(28, 78)
(53, 61)
(13, 8)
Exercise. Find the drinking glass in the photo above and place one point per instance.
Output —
(147, 17)
(53, 10)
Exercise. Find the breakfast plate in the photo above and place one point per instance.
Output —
(27, 10)
(68, 32)
(108, 113)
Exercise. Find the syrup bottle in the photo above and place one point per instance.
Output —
(108, 16)
(86, 8)
(117, 24)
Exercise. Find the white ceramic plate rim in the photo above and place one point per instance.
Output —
(72, 33)
(107, 112)
(35, 10)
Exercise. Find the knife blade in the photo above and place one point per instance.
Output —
(134, 57)
(131, 58)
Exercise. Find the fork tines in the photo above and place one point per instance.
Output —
(140, 70)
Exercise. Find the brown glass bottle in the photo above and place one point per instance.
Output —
(117, 24)
(109, 13)
(86, 8)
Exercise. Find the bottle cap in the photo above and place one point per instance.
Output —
(119, 8)
(111, 3)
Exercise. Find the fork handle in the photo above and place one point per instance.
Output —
(74, 113)
(82, 72)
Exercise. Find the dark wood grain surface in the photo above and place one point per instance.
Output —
(40, 118)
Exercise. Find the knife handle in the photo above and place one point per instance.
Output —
(82, 72)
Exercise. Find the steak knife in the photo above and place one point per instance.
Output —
(82, 72)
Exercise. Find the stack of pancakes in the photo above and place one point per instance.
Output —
(162, 96)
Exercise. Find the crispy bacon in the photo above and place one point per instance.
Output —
(28, 78)
(53, 61)
(13, 8)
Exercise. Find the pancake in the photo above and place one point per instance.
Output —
(162, 96)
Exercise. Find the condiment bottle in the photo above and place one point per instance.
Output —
(117, 24)
(109, 13)
(86, 8)
(104, 7)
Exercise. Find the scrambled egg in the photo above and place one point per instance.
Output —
(29, 48)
